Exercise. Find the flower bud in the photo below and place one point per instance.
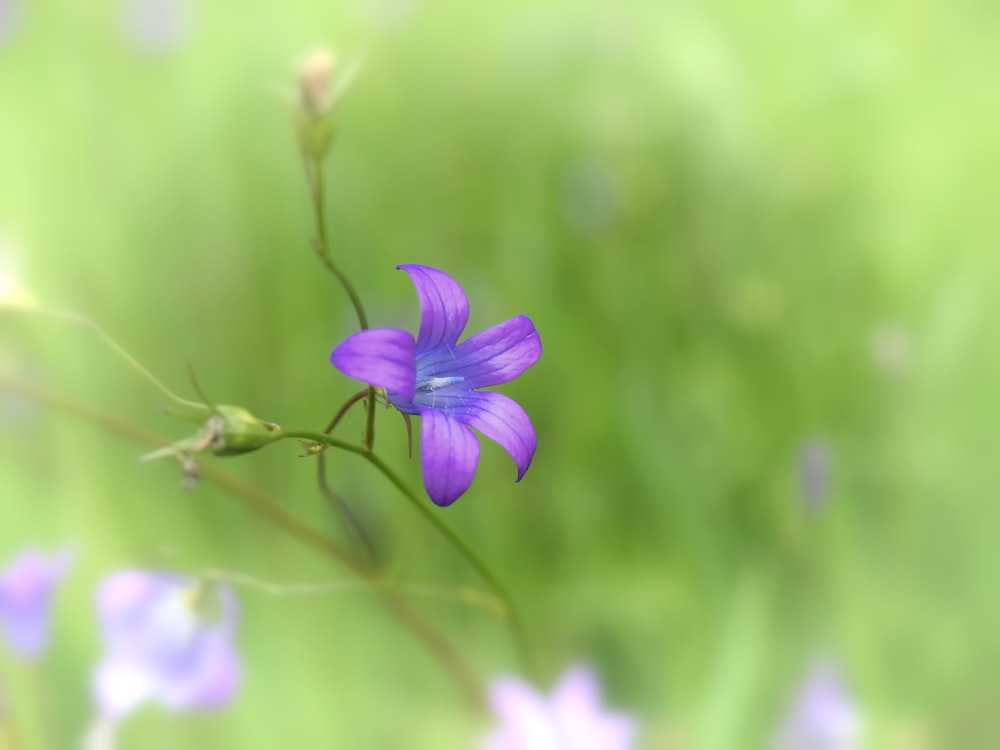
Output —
(228, 431)
(315, 78)
(315, 113)
(240, 431)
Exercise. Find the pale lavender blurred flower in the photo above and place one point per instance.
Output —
(572, 718)
(169, 639)
(814, 472)
(8, 19)
(440, 379)
(26, 591)
(156, 25)
(822, 716)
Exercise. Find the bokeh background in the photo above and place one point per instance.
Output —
(759, 243)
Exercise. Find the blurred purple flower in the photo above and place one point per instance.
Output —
(168, 638)
(572, 718)
(822, 716)
(26, 590)
(438, 379)
(156, 25)
(814, 472)
(8, 19)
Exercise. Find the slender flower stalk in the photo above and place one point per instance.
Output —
(277, 514)
(509, 610)
(183, 404)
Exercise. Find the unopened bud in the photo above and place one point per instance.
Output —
(241, 431)
(315, 82)
(322, 82)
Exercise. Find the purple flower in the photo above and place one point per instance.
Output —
(570, 719)
(822, 716)
(814, 472)
(168, 638)
(26, 590)
(9, 12)
(439, 379)
(156, 25)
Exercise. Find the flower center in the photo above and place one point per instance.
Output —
(434, 384)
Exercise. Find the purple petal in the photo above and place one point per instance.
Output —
(26, 591)
(162, 644)
(578, 687)
(502, 420)
(156, 25)
(449, 453)
(576, 706)
(823, 713)
(207, 678)
(523, 715)
(494, 356)
(444, 308)
(573, 718)
(123, 601)
(382, 357)
(120, 686)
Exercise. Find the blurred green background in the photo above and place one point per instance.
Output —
(743, 230)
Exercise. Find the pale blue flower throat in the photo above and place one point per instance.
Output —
(434, 384)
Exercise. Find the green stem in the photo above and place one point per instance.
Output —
(317, 191)
(314, 176)
(370, 421)
(71, 317)
(454, 538)
(274, 512)
(511, 614)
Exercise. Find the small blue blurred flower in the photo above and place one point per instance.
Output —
(822, 716)
(169, 639)
(156, 25)
(815, 462)
(572, 718)
(8, 19)
(26, 590)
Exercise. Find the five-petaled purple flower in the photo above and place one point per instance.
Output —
(168, 638)
(26, 590)
(572, 718)
(439, 379)
(822, 717)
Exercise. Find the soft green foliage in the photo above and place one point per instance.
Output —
(737, 226)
